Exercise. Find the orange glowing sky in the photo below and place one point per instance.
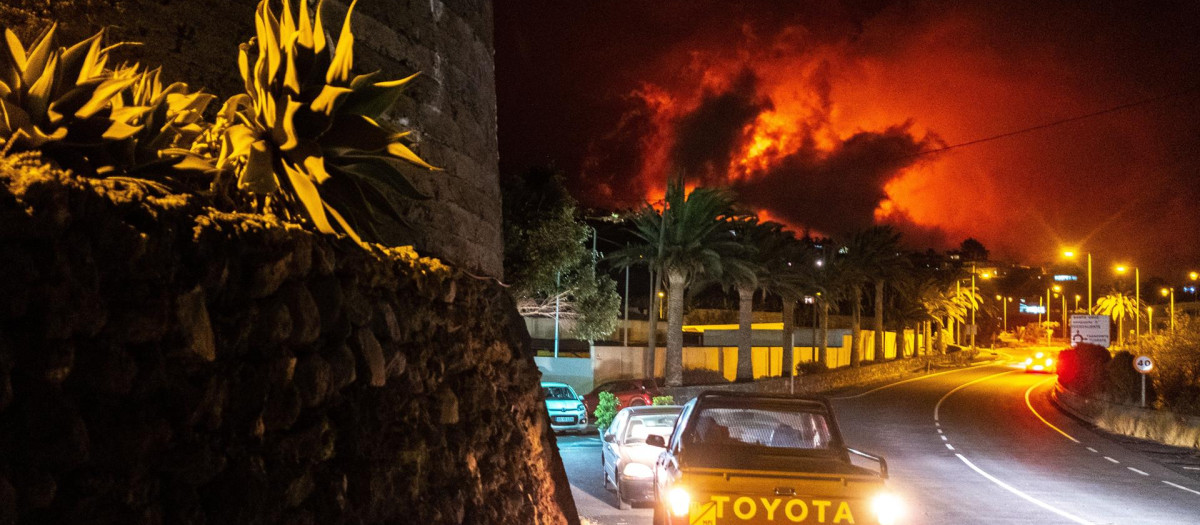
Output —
(816, 114)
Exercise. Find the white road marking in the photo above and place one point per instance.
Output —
(1039, 416)
(918, 378)
(949, 446)
(940, 431)
(1191, 468)
(1112, 460)
(1138, 471)
(1023, 495)
(937, 408)
(1181, 487)
(943, 438)
(1093, 450)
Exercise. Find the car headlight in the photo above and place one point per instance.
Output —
(680, 500)
(1028, 360)
(888, 508)
(637, 470)
(580, 408)
(1049, 361)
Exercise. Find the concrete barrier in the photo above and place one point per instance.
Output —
(1156, 425)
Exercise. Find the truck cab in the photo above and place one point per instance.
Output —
(750, 458)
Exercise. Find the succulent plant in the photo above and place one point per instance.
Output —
(51, 94)
(304, 137)
(66, 103)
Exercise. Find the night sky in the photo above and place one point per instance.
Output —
(821, 115)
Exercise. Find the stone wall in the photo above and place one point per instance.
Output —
(161, 362)
(451, 106)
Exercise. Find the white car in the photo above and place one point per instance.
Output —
(626, 461)
(567, 413)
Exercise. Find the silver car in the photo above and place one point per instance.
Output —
(626, 462)
(567, 413)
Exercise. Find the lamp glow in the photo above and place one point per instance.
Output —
(888, 508)
(680, 501)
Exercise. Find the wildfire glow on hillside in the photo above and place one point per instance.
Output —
(831, 116)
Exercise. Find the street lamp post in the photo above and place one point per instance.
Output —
(973, 328)
(1170, 292)
(1150, 319)
(1070, 254)
(1137, 300)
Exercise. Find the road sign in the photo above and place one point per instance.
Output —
(1091, 329)
(1143, 364)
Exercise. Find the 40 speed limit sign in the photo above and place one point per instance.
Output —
(1143, 364)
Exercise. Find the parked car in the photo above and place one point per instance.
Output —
(567, 413)
(733, 456)
(626, 462)
(630, 392)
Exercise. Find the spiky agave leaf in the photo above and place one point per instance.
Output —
(307, 116)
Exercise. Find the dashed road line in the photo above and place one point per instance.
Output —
(1191, 468)
(944, 438)
(1023, 495)
(1181, 487)
(1112, 460)
(1093, 450)
(1138, 471)
(949, 446)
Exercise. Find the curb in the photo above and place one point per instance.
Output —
(1162, 427)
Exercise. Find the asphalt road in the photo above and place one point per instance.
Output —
(978, 445)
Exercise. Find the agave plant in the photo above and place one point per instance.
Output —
(68, 104)
(52, 95)
(304, 136)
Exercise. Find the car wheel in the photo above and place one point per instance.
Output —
(660, 514)
(622, 502)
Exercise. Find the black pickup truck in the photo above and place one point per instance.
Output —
(745, 459)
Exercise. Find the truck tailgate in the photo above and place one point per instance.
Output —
(722, 496)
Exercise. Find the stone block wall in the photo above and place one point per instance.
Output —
(161, 362)
(451, 106)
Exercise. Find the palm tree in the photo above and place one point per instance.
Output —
(942, 302)
(1118, 306)
(682, 243)
(775, 257)
(872, 256)
(747, 233)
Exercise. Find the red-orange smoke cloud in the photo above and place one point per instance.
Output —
(819, 115)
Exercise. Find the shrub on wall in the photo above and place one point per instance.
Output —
(662, 400)
(606, 409)
(1083, 369)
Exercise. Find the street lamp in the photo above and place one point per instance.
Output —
(1170, 292)
(1070, 254)
(1076, 302)
(1137, 298)
(1194, 276)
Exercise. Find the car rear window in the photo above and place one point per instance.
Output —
(783, 429)
(558, 392)
(640, 427)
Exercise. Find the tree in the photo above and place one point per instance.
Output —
(1118, 306)
(943, 301)
(547, 257)
(684, 243)
(872, 256)
(972, 250)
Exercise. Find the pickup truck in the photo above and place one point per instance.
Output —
(749, 458)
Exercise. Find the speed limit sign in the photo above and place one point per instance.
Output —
(1143, 364)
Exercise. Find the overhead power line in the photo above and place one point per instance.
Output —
(1114, 109)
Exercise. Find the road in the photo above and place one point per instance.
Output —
(979, 445)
